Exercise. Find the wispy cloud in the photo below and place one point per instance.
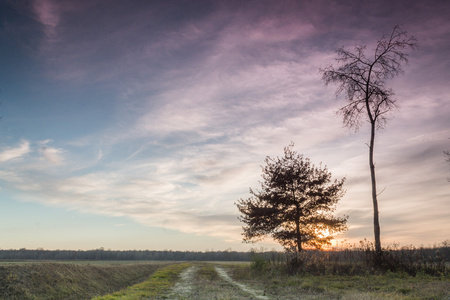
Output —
(48, 14)
(199, 101)
(15, 153)
(52, 155)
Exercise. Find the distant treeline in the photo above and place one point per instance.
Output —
(102, 254)
(441, 253)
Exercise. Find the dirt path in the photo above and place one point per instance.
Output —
(223, 287)
(183, 288)
(255, 293)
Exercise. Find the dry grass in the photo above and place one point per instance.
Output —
(43, 280)
(278, 284)
(160, 281)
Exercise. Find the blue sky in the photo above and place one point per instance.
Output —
(138, 124)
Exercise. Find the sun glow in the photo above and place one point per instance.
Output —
(323, 233)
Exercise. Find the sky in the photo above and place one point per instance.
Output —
(139, 124)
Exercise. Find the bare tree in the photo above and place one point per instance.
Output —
(363, 80)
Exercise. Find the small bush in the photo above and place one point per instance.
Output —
(259, 262)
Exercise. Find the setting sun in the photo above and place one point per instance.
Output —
(323, 233)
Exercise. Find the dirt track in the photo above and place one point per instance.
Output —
(184, 287)
(193, 284)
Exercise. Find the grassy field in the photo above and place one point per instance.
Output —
(213, 280)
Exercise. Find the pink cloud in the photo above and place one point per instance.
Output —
(47, 14)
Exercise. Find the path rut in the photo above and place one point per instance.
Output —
(258, 294)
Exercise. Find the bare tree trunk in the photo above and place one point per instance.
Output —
(376, 222)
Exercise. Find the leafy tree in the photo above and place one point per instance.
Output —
(295, 204)
(363, 80)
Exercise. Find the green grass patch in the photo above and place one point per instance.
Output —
(157, 285)
(207, 272)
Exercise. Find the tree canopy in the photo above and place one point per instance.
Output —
(363, 77)
(295, 204)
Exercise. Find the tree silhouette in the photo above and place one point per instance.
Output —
(295, 204)
(363, 80)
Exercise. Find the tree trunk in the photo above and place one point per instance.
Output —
(376, 222)
(297, 222)
(299, 237)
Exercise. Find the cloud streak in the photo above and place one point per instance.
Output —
(47, 14)
(15, 153)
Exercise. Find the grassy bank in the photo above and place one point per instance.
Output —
(43, 280)
(278, 284)
(157, 285)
